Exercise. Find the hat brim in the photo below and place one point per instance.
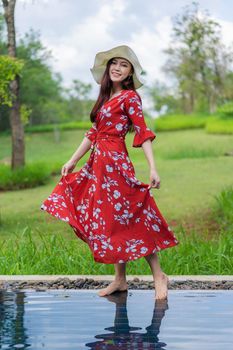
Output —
(123, 51)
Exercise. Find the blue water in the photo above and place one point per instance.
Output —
(73, 319)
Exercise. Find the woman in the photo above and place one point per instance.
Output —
(105, 204)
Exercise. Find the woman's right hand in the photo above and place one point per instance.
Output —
(154, 179)
(68, 167)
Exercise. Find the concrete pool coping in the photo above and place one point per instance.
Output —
(149, 278)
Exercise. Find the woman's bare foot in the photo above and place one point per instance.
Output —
(161, 286)
(114, 286)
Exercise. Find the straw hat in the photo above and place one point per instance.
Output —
(123, 51)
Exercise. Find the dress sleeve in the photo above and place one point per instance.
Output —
(133, 106)
(92, 132)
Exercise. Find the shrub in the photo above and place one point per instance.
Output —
(224, 209)
(218, 125)
(226, 110)
(31, 175)
(81, 125)
(179, 122)
(63, 126)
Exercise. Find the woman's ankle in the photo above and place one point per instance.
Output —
(120, 279)
(159, 275)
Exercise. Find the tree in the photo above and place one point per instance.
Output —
(79, 99)
(198, 59)
(17, 129)
(40, 88)
(163, 98)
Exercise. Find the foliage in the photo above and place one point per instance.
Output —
(180, 121)
(79, 103)
(211, 123)
(228, 83)
(226, 110)
(25, 114)
(198, 60)
(79, 90)
(41, 128)
(39, 85)
(31, 175)
(164, 100)
(81, 125)
(219, 125)
(9, 68)
(223, 209)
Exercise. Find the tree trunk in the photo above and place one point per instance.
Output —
(191, 102)
(212, 105)
(17, 129)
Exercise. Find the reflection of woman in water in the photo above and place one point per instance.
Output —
(106, 205)
(13, 333)
(126, 337)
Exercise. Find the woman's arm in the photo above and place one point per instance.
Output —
(82, 149)
(148, 150)
(84, 146)
(143, 135)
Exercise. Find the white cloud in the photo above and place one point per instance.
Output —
(74, 52)
(149, 46)
(227, 31)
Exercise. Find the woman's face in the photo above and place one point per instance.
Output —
(119, 69)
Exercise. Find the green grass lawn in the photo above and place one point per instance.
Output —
(191, 165)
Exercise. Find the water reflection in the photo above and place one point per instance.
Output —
(124, 336)
(18, 309)
(75, 320)
(12, 330)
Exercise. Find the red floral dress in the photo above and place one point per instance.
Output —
(104, 203)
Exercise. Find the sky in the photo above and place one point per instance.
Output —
(75, 30)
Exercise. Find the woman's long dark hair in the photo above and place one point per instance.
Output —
(105, 91)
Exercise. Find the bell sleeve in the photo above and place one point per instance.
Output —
(91, 133)
(133, 108)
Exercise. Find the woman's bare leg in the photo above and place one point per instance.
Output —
(160, 278)
(119, 283)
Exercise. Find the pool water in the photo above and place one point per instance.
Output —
(80, 319)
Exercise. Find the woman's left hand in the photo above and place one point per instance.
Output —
(154, 179)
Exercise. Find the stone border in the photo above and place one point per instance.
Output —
(86, 282)
(149, 278)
